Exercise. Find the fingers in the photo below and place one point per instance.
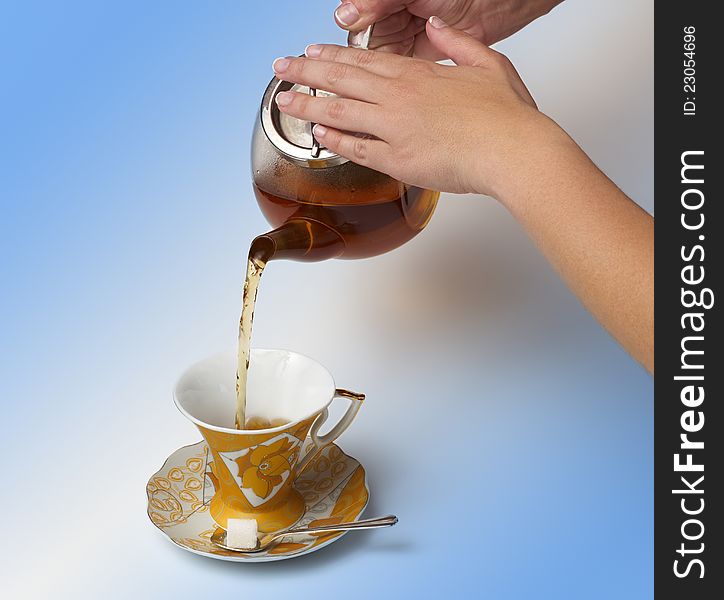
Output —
(340, 113)
(356, 15)
(361, 150)
(382, 36)
(381, 64)
(393, 24)
(404, 37)
(404, 48)
(462, 48)
(425, 50)
(339, 78)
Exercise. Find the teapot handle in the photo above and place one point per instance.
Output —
(360, 39)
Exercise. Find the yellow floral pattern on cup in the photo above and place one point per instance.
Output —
(265, 467)
(253, 473)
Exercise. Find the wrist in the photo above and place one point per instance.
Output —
(541, 156)
(512, 161)
(526, 12)
(544, 159)
(498, 20)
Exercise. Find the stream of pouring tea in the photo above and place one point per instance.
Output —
(254, 269)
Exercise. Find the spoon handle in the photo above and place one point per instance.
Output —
(363, 524)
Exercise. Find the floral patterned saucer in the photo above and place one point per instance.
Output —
(334, 487)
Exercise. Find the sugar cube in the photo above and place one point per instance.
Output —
(241, 533)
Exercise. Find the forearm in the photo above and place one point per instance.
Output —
(598, 239)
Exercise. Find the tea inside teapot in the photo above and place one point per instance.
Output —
(345, 210)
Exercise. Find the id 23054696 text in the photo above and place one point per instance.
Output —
(689, 70)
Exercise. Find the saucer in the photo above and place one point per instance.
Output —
(334, 488)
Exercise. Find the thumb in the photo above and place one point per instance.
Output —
(461, 47)
(356, 15)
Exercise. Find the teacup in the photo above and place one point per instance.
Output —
(253, 471)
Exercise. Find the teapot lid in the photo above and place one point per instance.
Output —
(293, 137)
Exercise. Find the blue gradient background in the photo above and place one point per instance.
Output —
(500, 416)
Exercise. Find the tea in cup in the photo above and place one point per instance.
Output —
(253, 470)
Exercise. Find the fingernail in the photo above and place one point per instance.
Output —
(284, 98)
(319, 131)
(347, 14)
(313, 50)
(280, 65)
(437, 22)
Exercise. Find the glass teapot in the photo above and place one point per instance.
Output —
(322, 205)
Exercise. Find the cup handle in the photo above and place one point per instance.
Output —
(320, 441)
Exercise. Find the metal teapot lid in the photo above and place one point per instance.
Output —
(293, 137)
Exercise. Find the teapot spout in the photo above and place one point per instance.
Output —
(303, 240)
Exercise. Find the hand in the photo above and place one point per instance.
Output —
(400, 25)
(475, 128)
(449, 128)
